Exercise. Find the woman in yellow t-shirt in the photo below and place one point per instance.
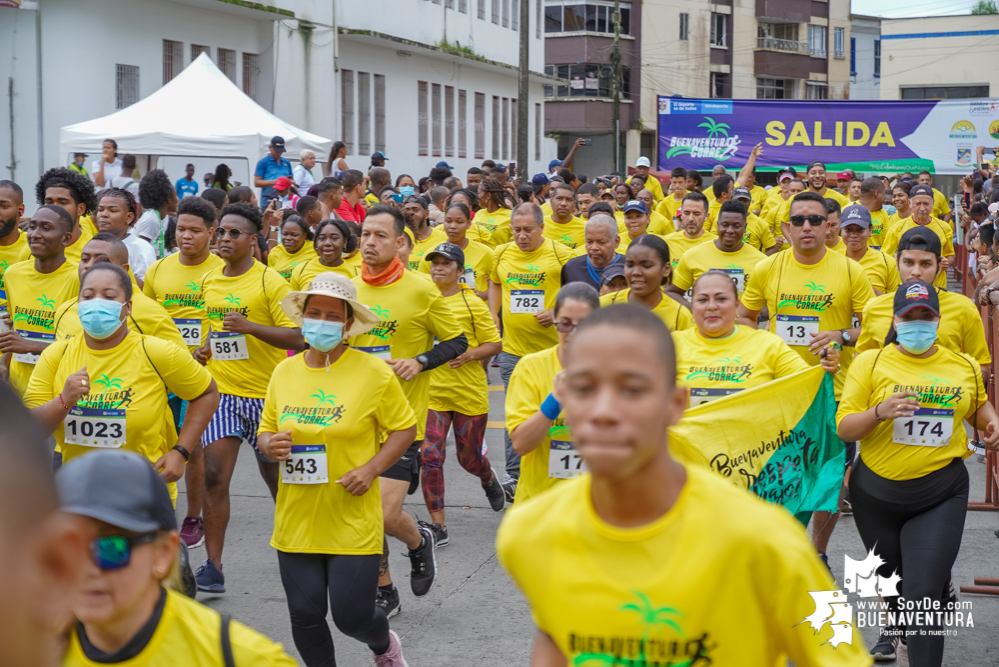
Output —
(533, 415)
(647, 268)
(718, 357)
(294, 248)
(907, 404)
(332, 242)
(129, 611)
(491, 224)
(108, 388)
(335, 419)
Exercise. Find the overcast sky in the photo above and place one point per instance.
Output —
(914, 8)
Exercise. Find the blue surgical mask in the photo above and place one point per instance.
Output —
(916, 336)
(407, 190)
(322, 335)
(100, 318)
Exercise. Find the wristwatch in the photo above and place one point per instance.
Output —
(183, 452)
(423, 361)
(845, 333)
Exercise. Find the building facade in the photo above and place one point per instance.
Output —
(865, 58)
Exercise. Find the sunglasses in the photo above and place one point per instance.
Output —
(565, 327)
(233, 233)
(813, 220)
(115, 552)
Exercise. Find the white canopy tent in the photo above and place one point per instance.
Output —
(200, 113)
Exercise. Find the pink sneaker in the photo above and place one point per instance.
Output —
(193, 532)
(393, 656)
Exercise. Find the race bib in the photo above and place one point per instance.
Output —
(190, 330)
(34, 336)
(702, 396)
(306, 465)
(929, 427)
(383, 352)
(738, 277)
(3, 315)
(564, 462)
(229, 346)
(468, 277)
(93, 427)
(526, 301)
(795, 329)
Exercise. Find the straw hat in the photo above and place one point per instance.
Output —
(338, 287)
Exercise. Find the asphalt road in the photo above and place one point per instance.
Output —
(475, 615)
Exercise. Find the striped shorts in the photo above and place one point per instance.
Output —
(235, 416)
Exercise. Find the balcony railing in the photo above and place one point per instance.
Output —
(786, 45)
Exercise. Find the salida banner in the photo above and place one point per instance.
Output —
(867, 136)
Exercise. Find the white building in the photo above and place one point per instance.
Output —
(865, 57)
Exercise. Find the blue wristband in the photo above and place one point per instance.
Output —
(551, 407)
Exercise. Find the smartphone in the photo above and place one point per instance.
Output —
(589, 142)
(984, 166)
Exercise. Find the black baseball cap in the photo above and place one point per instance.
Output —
(451, 251)
(636, 205)
(920, 189)
(917, 294)
(787, 170)
(742, 192)
(611, 272)
(278, 144)
(855, 214)
(118, 487)
(378, 156)
(416, 199)
(920, 238)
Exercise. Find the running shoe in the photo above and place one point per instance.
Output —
(886, 647)
(393, 656)
(495, 493)
(210, 580)
(387, 597)
(825, 560)
(193, 532)
(950, 594)
(439, 531)
(845, 507)
(509, 488)
(424, 561)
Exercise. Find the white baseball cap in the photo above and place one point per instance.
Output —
(643, 162)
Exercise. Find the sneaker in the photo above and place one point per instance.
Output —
(387, 597)
(495, 493)
(950, 595)
(825, 561)
(424, 561)
(210, 579)
(886, 646)
(393, 656)
(193, 532)
(845, 507)
(439, 531)
(509, 487)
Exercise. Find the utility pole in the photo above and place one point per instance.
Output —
(615, 59)
(522, 88)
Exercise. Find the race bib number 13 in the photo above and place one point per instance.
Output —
(797, 329)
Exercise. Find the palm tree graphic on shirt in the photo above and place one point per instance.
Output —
(651, 616)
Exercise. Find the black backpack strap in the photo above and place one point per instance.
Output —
(226, 641)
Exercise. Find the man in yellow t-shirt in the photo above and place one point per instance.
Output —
(816, 177)
(758, 234)
(921, 204)
(722, 189)
(249, 334)
(636, 223)
(872, 197)
(941, 207)
(75, 194)
(562, 225)
(670, 204)
(425, 237)
(693, 213)
(658, 224)
(855, 225)
(590, 554)
(13, 242)
(650, 183)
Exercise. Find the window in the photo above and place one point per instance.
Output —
(506, 14)
(481, 9)
(480, 125)
(537, 131)
(463, 6)
(496, 11)
(250, 74)
(853, 56)
(719, 29)
(538, 22)
(126, 88)
(513, 131)
(462, 124)
(774, 89)
(684, 26)
(839, 37)
(379, 112)
(227, 63)
(347, 108)
(496, 126)
(449, 121)
(515, 14)
(877, 58)
(816, 91)
(721, 85)
(422, 139)
(173, 59)
(587, 80)
(505, 129)
(593, 16)
(817, 40)
(435, 128)
(944, 92)
(198, 49)
(363, 113)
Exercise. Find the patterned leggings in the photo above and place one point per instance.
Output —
(468, 434)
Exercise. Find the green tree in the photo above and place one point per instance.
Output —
(985, 7)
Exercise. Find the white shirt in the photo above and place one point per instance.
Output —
(110, 170)
(148, 225)
(125, 183)
(141, 255)
(303, 179)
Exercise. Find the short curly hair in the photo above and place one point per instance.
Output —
(122, 194)
(80, 187)
(198, 207)
(247, 211)
(155, 189)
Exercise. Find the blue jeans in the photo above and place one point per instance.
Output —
(507, 362)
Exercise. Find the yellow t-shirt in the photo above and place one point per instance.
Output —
(713, 208)
(950, 390)
(881, 271)
(706, 257)
(257, 296)
(678, 244)
(532, 380)
(960, 328)
(659, 225)
(715, 367)
(941, 206)
(421, 248)
(485, 224)
(774, 198)
(189, 633)
(412, 313)
(893, 220)
(87, 223)
(546, 208)
(758, 233)
(132, 379)
(673, 315)
(303, 274)
(344, 408)
(840, 247)
(759, 195)
(18, 251)
(178, 289)
(354, 263)
(879, 228)
(285, 262)
(569, 234)
(651, 595)
(668, 208)
(478, 265)
(74, 251)
(943, 231)
(653, 185)
(465, 389)
(530, 281)
(148, 318)
(32, 301)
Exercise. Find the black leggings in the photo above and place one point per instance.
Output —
(916, 525)
(352, 582)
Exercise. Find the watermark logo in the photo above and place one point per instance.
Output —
(963, 129)
(833, 609)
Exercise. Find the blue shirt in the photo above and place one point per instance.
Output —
(270, 169)
(186, 188)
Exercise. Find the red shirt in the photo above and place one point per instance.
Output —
(353, 213)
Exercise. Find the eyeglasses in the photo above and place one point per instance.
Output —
(813, 220)
(115, 551)
(565, 327)
(233, 233)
